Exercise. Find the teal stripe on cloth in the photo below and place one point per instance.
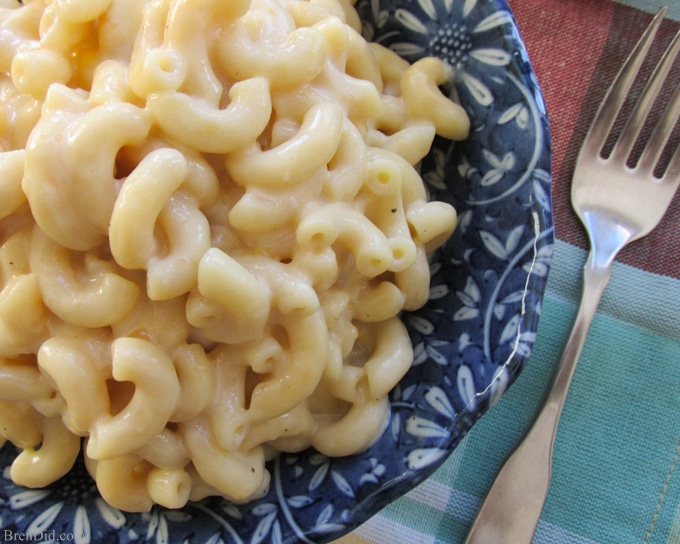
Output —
(652, 6)
(617, 449)
(675, 528)
(614, 467)
(651, 301)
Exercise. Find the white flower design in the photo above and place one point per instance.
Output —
(157, 529)
(63, 501)
(449, 33)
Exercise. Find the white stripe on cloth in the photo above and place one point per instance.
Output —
(649, 301)
(547, 533)
(381, 529)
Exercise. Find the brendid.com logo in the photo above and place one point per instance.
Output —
(46, 536)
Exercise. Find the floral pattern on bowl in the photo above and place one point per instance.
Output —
(471, 340)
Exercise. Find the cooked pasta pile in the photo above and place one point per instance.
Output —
(210, 220)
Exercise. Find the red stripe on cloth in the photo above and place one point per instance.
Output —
(576, 48)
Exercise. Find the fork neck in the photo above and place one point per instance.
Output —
(607, 238)
(608, 235)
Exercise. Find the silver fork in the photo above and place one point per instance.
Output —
(617, 204)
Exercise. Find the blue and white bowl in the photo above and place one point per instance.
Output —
(471, 340)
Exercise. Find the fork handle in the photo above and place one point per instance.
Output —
(512, 509)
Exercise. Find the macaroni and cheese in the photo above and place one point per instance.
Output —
(210, 221)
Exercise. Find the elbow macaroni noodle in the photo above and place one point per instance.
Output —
(210, 220)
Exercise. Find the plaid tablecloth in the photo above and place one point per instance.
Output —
(616, 471)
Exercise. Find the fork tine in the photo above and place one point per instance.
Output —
(655, 146)
(636, 121)
(672, 173)
(617, 93)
